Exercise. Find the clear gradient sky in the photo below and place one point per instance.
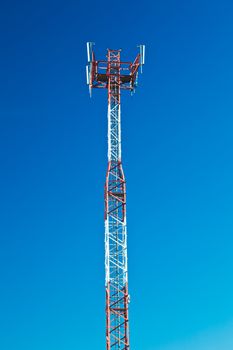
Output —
(177, 156)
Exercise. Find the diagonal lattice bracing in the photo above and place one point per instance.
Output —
(117, 332)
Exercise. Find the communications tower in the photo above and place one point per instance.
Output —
(115, 75)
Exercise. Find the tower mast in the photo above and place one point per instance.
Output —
(115, 75)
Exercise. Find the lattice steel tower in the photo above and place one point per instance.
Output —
(115, 75)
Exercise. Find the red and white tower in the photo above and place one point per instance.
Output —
(115, 75)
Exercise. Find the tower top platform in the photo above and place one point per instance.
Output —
(125, 73)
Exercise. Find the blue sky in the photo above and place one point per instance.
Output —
(177, 156)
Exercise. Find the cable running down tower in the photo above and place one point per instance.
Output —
(115, 75)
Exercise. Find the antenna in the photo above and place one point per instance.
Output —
(89, 51)
(142, 49)
(89, 67)
(87, 74)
